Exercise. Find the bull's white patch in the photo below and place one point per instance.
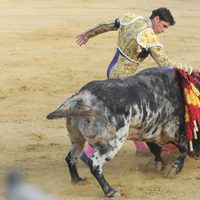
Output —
(148, 126)
(115, 144)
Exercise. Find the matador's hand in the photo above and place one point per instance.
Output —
(82, 39)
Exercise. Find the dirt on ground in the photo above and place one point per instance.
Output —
(41, 65)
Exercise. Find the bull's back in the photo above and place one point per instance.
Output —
(154, 86)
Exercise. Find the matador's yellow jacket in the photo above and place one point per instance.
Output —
(136, 40)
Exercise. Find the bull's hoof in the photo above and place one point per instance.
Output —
(155, 166)
(158, 167)
(170, 172)
(78, 181)
(112, 193)
(195, 155)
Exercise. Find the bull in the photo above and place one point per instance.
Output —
(148, 106)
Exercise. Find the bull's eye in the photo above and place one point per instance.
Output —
(88, 121)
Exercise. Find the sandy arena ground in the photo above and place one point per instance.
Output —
(41, 65)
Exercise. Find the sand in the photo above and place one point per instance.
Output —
(41, 65)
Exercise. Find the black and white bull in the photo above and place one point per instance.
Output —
(148, 106)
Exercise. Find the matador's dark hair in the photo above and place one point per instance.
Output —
(164, 15)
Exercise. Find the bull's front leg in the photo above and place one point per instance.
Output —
(178, 164)
(71, 160)
(77, 144)
(105, 152)
(98, 174)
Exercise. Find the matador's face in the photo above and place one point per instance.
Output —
(159, 25)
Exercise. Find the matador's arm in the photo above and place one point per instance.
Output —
(162, 59)
(96, 30)
(102, 28)
(158, 54)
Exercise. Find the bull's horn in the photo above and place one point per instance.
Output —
(56, 114)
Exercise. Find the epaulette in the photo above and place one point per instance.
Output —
(129, 18)
(147, 38)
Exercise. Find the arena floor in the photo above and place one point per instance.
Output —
(41, 65)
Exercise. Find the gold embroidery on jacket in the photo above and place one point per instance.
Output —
(147, 38)
(101, 28)
(134, 35)
(160, 57)
(128, 33)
